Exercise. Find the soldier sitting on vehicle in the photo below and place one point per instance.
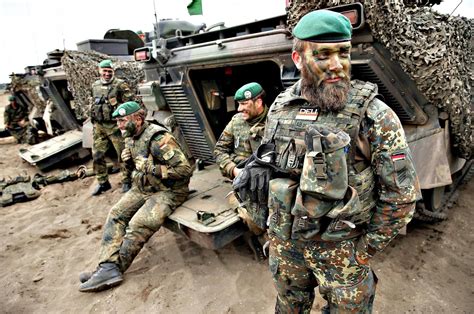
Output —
(16, 122)
(108, 92)
(161, 174)
(237, 142)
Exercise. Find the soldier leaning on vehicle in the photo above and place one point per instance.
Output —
(238, 141)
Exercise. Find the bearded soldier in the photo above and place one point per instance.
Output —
(339, 175)
(161, 174)
(238, 141)
(108, 92)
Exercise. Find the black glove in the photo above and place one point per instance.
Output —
(252, 182)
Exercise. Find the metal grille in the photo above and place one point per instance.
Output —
(365, 73)
(288, 82)
(184, 115)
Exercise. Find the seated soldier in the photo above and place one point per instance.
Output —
(161, 174)
(16, 122)
(237, 142)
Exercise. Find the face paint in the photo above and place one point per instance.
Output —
(325, 74)
(127, 126)
(327, 62)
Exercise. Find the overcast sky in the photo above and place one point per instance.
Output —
(31, 28)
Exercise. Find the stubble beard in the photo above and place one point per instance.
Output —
(330, 97)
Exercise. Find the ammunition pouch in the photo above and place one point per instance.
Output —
(101, 110)
(282, 192)
(325, 172)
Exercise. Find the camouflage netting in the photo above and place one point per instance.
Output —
(81, 71)
(28, 85)
(434, 49)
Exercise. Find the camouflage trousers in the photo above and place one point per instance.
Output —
(299, 266)
(245, 216)
(133, 220)
(24, 134)
(104, 135)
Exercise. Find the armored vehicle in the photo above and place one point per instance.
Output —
(190, 80)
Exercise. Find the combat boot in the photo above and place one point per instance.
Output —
(256, 247)
(108, 275)
(126, 186)
(84, 276)
(101, 187)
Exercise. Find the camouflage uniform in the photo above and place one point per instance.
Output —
(12, 118)
(152, 198)
(107, 97)
(341, 203)
(237, 142)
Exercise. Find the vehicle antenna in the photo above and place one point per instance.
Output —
(456, 7)
(156, 22)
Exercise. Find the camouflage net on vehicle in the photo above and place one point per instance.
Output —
(434, 49)
(28, 85)
(81, 71)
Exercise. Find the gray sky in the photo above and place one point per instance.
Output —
(31, 28)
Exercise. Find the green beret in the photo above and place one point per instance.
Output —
(105, 64)
(248, 91)
(11, 98)
(126, 109)
(323, 26)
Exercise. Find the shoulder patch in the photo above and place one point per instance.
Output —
(168, 155)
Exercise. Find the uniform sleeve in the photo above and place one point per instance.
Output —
(7, 116)
(396, 181)
(172, 161)
(126, 93)
(224, 151)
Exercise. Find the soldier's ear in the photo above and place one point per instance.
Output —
(297, 60)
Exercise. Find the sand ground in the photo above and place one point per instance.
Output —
(47, 242)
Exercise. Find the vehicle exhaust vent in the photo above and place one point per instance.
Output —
(365, 73)
(184, 115)
(288, 82)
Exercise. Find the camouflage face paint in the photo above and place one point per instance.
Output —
(328, 62)
(127, 126)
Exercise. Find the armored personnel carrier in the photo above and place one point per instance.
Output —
(191, 75)
(191, 81)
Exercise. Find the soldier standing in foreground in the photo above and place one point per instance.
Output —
(238, 141)
(160, 184)
(108, 92)
(16, 122)
(343, 182)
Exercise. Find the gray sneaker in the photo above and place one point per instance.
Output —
(108, 275)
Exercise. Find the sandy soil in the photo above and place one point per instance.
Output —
(47, 242)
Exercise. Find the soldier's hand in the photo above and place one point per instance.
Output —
(126, 154)
(144, 165)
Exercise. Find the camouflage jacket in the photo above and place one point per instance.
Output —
(157, 144)
(14, 115)
(238, 141)
(380, 143)
(107, 97)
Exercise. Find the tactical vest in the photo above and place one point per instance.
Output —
(246, 138)
(106, 99)
(141, 147)
(334, 194)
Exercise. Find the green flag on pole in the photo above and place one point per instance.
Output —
(195, 7)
